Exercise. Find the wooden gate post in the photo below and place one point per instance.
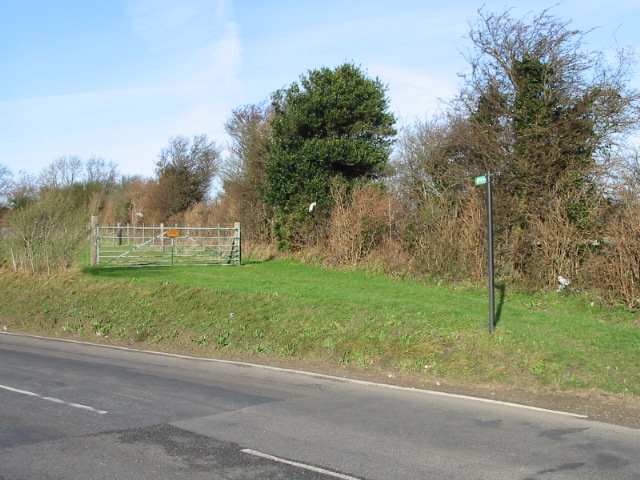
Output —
(236, 225)
(94, 239)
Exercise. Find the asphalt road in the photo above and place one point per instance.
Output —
(78, 411)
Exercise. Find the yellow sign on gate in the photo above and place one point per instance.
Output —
(173, 233)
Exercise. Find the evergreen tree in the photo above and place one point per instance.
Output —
(332, 126)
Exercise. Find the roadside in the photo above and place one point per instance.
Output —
(601, 406)
(557, 352)
(596, 405)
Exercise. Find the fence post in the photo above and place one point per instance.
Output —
(94, 239)
(236, 225)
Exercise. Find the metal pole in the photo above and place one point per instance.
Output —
(492, 310)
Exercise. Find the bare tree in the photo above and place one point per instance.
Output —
(6, 185)
(427, 161)
(62, 172)
(250, 133)
(544, 114)
(243, 171)
(24, 190)
(99, 171)
(185, 170)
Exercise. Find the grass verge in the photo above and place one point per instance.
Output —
(286, 309)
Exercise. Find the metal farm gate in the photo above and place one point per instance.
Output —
(121, 246)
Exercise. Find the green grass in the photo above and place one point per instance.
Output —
(284, 308)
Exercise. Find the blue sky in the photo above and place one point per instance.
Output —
(117, 78)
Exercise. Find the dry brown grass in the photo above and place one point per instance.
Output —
(358, 224)
(448, 239)
(614, 267)
(554, 246)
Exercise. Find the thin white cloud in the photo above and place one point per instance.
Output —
(131, 125)
(366, 33)
(195, 64)
(201, 42)
(222, 60)
(415, 93)
(183, 24)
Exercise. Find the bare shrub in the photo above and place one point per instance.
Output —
(358, 223)
(47, 233)
(129, 203)
(197, 215)
(615, 269)
(389, 257)
(448, 238)
(258, 252)
(553, 246)
(252, 213)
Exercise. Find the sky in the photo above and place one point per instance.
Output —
(118, 78)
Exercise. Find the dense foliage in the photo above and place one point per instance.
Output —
(546, 112)
(332, 126)
(550, 121)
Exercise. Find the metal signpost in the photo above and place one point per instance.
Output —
(173, 233)
(486, 180)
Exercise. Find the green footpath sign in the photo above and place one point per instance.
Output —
(481, 180)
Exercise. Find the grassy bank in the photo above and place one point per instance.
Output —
(285, 309)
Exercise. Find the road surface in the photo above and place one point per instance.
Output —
(78, 411)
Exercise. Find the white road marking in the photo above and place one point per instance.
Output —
(54, 400)
(299, 465)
